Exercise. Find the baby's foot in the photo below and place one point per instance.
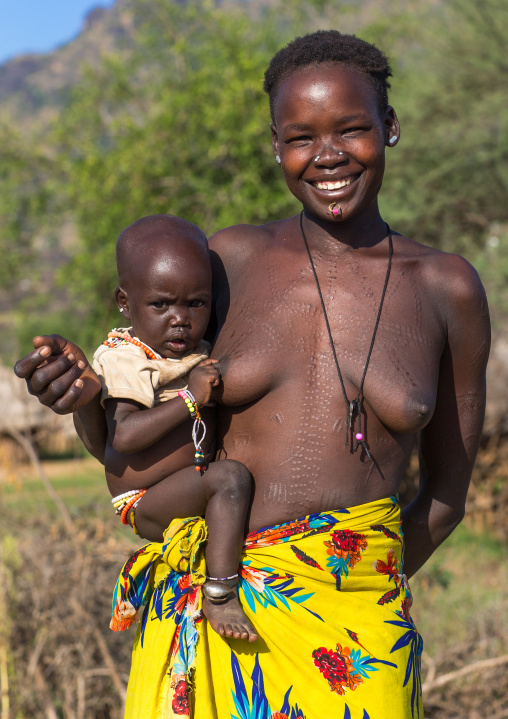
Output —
(227, 618)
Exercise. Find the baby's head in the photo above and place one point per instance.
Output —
(165, 283)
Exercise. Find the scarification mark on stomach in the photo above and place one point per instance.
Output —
(275, 492)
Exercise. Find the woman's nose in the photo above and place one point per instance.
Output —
(330, 156)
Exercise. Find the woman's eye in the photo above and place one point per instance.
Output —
(299, 138)
(353, 130)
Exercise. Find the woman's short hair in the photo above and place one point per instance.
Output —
(328, 46)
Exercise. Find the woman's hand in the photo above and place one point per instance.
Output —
(203, 379)
(58, 374)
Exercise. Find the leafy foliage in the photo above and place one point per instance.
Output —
(177, 122)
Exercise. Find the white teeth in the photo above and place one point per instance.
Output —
(332, 185)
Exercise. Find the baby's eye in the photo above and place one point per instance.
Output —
(159, 304)
(196, 303)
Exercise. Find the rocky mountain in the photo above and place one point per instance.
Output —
(34, 86)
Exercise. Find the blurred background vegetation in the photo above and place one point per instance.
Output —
(158, 106)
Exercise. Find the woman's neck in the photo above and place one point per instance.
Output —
(365, 230)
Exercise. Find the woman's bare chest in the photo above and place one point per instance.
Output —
(275, 339)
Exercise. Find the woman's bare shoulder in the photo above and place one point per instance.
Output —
(244, 241)
(450, 279)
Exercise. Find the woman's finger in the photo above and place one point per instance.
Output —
(52, 381)
(26, 366)
(69, 401)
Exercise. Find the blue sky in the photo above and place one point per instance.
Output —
(40, 25)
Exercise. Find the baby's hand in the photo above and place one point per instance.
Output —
(203, 379)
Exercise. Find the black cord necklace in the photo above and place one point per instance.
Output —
(356, 403)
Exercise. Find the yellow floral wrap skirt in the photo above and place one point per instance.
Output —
(329, 601)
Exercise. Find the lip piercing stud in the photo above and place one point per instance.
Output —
(335, 209)
(341, 153)
(393, 139)
(277, 159)
(317, 158)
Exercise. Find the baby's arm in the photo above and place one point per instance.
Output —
(132, 427)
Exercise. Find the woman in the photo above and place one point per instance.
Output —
(340, 341)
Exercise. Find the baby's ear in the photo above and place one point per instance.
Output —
(122, 301)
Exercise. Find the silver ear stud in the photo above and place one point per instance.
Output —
(393, 139)
(277, 159)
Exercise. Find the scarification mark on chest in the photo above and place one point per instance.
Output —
(277, 417)
(315, 418)
(241, 439)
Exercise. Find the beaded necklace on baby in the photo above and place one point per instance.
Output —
(117, 337)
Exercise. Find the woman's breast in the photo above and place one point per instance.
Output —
(293, 360)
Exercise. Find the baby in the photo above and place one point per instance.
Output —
(157, 382)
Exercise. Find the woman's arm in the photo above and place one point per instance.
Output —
(449, 444)
(132, 427)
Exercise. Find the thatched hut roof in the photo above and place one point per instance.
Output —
(23, 412)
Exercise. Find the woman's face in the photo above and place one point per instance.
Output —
(321, 112)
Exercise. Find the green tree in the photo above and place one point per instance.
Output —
(180, 124)
(176, 121)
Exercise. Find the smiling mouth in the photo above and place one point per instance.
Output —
(328, 185)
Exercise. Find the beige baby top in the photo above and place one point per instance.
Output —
(127, 373)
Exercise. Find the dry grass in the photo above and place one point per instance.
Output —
(461, 610)
(58, 659)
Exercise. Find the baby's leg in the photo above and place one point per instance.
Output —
(222, 494)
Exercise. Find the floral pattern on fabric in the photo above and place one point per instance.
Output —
(176, 598)
(391, 570)
(344, 668)
(410, 638)
(348, 715)
(387, 532)
(305, 558)
(360, 646)
(180, 702)
(264, 586)
(305, 527)
(344, 548)
(258, 706)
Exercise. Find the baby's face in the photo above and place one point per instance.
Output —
(169, 302)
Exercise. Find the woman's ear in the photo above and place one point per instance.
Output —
(392, 127)
(122, 302)
(275, 142)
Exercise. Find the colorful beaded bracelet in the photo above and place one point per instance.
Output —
(200, 463)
